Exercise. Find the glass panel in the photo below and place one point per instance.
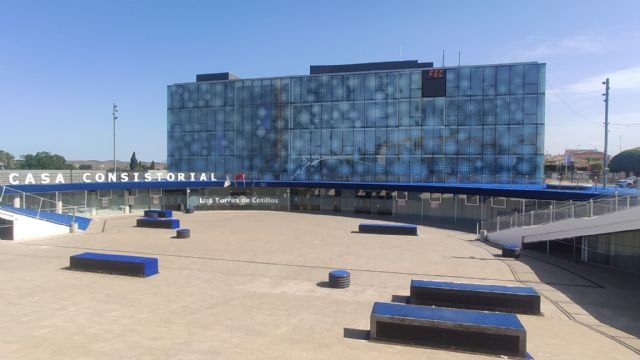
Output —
(464, 85)
(452, 82)
(476, 81)
(502, 80)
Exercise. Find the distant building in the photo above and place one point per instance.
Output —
(577, 158)
(585, 154)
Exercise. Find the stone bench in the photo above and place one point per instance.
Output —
(388, 229)
(459, 329)
(158, 223)
(516, 299)
(114, 264)
(165, 214)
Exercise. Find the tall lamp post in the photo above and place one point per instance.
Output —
(115, 110)
(605, 162)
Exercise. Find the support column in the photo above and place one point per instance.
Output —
(547, 247)
(126, 201)
(455, 208)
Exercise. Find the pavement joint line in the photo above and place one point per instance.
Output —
(275, 264)
(518, 280)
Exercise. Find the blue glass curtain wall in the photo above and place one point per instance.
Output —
(364, 127)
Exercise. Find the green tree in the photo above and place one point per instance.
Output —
(43, 160)
(133, 163)
(7, 160)
(153, 165)
(85, 167)
(627, 161)
(550, 167)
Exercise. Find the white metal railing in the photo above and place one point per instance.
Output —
(562, 211)
(43, 205)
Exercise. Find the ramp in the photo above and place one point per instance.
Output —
(59, 219)
(623, 220)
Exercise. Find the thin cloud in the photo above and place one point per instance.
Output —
(625, 79)
(576, 45)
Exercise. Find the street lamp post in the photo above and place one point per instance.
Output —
(115, 110)
(605, 162)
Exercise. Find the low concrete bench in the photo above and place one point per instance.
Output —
(388, 229)
(165, 214)
(158, 223)
(516, 299)
(466, 330)
(114, 264)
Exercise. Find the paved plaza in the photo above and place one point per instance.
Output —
(252, 285)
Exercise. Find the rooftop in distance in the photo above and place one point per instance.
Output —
(335, 69)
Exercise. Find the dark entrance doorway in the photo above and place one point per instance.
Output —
(6, 229)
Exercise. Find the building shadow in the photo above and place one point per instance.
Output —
(610, 296)
(463, 225)
(400, 299)
(355, 334)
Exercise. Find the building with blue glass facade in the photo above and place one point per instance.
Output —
(401, 121)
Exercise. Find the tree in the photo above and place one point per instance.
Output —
(85, 167)
(133, 163)
(153, 165)
(627, 161)
(550, 167)
(43, 160)
(7, 161)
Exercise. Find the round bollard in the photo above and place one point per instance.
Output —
(188, 210)
(183, 233)
(511, 251)
(339, 279)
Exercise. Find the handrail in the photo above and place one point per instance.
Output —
(561, 211)
(73, 209)
(562, 231)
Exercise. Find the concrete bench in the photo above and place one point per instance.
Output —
(388, 229)
(158, 223)
(466, 330)
(114, 264)
(516, 299)
(165, 214)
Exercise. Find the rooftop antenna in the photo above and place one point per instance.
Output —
(442, 57)
(458, 57)
(115, 117)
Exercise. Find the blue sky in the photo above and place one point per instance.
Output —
(63, 63)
